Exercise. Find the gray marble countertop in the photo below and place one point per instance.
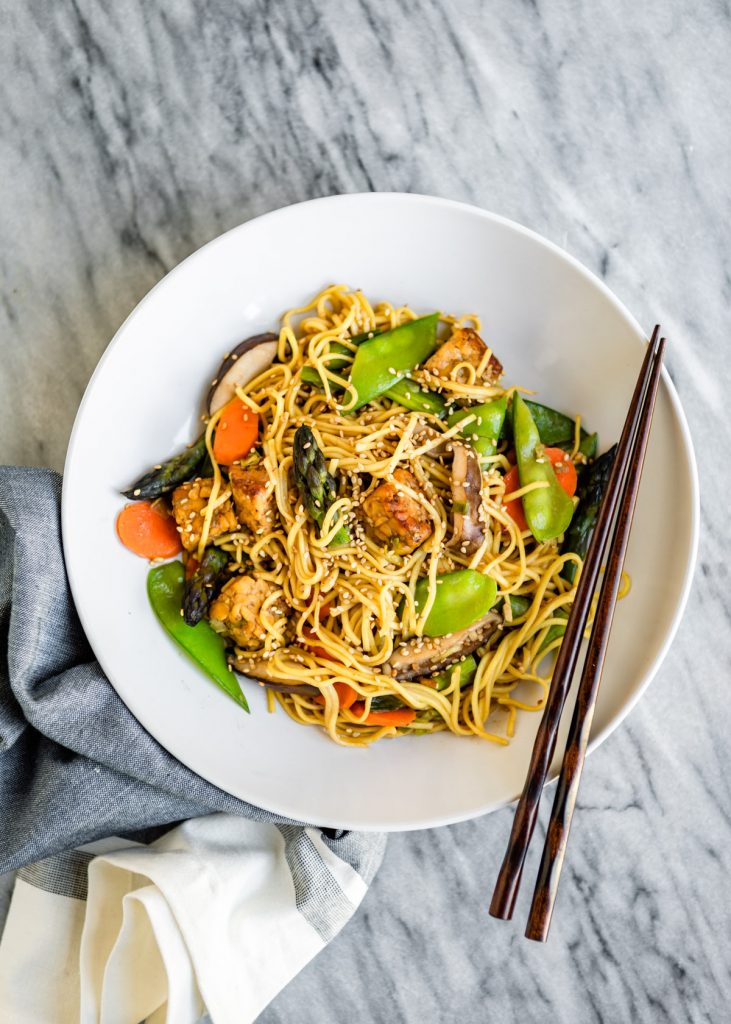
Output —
(134, 132)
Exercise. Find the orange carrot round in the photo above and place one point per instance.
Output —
(148, 530)
(399, 716)
(236, 432)
(565, 472)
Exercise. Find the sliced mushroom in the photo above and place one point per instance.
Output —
(423, 656)
(468, 534)
(247, 361)
(257, 668)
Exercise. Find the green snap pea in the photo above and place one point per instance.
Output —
(412, 396)
(519, 604)
(548, 510)
(467, 672)
(388, 357)
(556, 429)
(462, 598)
(483, 432)
(404, 392)
(165, 585)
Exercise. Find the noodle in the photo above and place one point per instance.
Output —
(351, 605)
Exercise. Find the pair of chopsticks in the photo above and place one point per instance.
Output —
(619, 500)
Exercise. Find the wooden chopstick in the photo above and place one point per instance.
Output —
(526, 812)
(557, 836)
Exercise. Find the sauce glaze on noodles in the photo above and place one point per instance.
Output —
(350, 598)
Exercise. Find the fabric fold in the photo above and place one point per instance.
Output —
(224, 908)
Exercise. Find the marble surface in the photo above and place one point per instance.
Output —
(134, 132)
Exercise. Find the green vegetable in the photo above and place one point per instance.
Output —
(589, 445)
(343, 358)
(310, 376)
(201, 643)
(555, 631)
(199, 589)
(404, 392)
(168, 475)
(383, 360)
(483, 432)
(316, 486)
(462, 598)
(592, 485)
(412, 396)
(467, 672)
(556, 429)
(548, 510)
(387, 703)
(519, 605)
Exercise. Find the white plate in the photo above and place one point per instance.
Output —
(555, 327)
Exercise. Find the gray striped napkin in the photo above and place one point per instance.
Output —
(76, 766)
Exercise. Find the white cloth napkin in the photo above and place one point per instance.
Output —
(217, 915)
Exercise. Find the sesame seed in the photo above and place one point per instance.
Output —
(137, 491)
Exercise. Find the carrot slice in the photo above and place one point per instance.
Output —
(148, 530)
(565, 474)
(312, 643)
(236, 432)
(399, 716)
(346, 695)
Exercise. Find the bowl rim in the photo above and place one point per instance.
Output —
(592, 278)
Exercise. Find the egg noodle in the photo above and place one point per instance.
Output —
(352, 605)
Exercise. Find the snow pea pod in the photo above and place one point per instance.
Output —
(483, 432)
(556, 429)
(548, 510)
(412, 396)
(205, 647)
(462, 598)
(404, 392)
(467, 672)
(388, 357)
(519, 605)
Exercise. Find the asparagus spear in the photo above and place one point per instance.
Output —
(316, 485)
(592, 485)
(168, 475)
(199, 589)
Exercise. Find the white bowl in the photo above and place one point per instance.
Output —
(556, 328)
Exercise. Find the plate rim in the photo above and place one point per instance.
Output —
(677, 409)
